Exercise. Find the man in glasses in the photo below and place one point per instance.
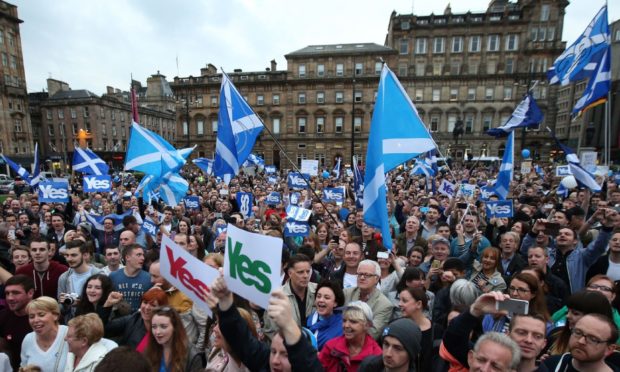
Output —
(368, 275)
(591, 341)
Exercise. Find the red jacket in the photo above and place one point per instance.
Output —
(47, 283)
(335, 354)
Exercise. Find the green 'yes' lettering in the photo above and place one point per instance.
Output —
(251, 273)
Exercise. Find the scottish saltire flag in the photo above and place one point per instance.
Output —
(237, 130)
(336, 170)
(36, 172)
(147, 151)
(583, 177)
(172, 187)
(421, 168)
(97, 221)
(527, 114)
(598, 87)
(143, 183)
(397, 134)
(256, 160)
(206, 165)
(431, 160)
(21, 171)
(562, 191)
(580, 59)
(506, 171)
(358, 184)
(86, 161)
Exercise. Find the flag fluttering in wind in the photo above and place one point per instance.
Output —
(336, 171)
(21, 171)
(87, 162)
(423, 169)
(206, 165)
(358, 184)
(597, 90)
(254, 159)
(97, 221)
(237, 130)
(36, 172)
(527, 114)
(583, 177)
(506, 169)
(397, 134)
(32, 180)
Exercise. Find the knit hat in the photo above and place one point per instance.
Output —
(408, 333)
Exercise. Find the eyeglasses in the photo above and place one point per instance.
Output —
(602, 288)
(366, 275)
(520, 291)
(591, 340)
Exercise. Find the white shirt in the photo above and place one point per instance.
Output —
(349, 281)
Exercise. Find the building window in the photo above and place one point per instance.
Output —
(471, 94)
(113, 130)
(420, 69)
(404, 46)
(437, 68)
(438, 45)
(359, 68)
(300, 157)
(551, 33)
(113, 113)
(74, 128)
(50, 130)
(436, 94)
(487, 120)
(276, 125)
(301, 71)
(5, 60)
(493, 43)
(534, 34)
(509, 66)
(420, 46)
(512, 42)
(378, 67)
(200, 127)
(13, 62)
(339, 97)
(213, 101)
(455, 68)
(357, 124)
(454, 94)
(320, 125)
(61, 114)
(260, 100)
(185, 129)
(214, 124)
(48, 114)
(18, 125)
(85, 112)
(469, 123)
(542, 34)
(474, 43)
(358, 96)
(339, 69)
(320, 70)
(507, 93)
(457, 44)
(434, 123)
(402, 69)
(275, 99)
(544, 12)
(419, 95)
(301, 125)
(301, 98)
(488, 94)
(338, 124)
(491, 67)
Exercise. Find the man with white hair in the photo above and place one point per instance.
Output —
(368, 275)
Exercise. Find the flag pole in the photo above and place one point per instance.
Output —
(607, 129)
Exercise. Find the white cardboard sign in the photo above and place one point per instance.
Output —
(252, 265)
(310, 167)
(187, 273)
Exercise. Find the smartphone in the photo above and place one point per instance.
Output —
(383, 255)
(436, 264)
(335, 238)
(424, 209)
(552, 228)
(218, 215)
(513, 306)
(461, 205)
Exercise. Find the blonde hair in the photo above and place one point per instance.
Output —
(88, 326)
(45, 303)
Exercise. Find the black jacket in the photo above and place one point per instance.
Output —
(255, 354)
(561, 362)
(515, 266)
(130, 328)
(600, 267)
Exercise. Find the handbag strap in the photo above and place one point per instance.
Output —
(60, 350)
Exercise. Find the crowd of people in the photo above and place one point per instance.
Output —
(460, 289)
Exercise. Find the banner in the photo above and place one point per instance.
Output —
(467, 190)
(150, 228)
(269, 169)
(297, 213)
(294, 198)
(499, 208)
(296, 181)
(245, 201)
(296, 228)
(562, 171)
(187, 273)
(192, 202)
(333, 194)
(526, 167)
(273, 198)
(310, 167)
(447, 188)
(272, 180)
(101, 183)
(54, 191)
(588, 161)
(252, 265)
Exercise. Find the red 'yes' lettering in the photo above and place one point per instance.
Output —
(178, 270)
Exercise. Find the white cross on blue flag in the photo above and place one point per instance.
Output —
(506, 170)
(527, 114)
(87, 162)
(397, 134)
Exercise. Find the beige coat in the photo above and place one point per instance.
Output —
(271, 328)
(380, 305)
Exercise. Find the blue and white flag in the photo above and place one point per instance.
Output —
(358, 185)
(147, 151)
(295, 228)
(173, 187)
(422, 169)
(86, 161)
(273, 198)
(150, 228)
(237, 130)
(245, 201)
(297, 213)
(333, 194)
(506, 169)
(562, 191)
(296, 181)
(598, 87)
(397, 134)
(580, 59)
(36, 172)
(21, 171)
(499, 209)
(256, 160)
(431, 160)
(206, 165)
(336, 170)
(526, 115)
(54, 191)
(583, 177)
(192, 202)
(102, 183)
(97, 221)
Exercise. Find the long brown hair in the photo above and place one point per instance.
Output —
(538, 304)
(180, 345)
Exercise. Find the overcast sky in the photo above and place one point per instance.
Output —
(95, 43)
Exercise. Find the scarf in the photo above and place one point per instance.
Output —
(325, 329)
